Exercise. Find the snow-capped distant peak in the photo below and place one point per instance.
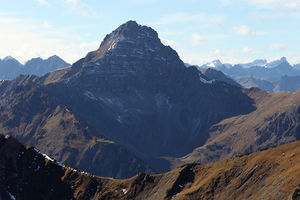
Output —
(275, 63)
(213, 64)
(217, 63)
(255, 63)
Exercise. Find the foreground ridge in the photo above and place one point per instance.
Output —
(274, 173)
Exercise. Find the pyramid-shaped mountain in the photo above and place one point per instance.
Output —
(138, 92)
(133, 42)
(133, 97)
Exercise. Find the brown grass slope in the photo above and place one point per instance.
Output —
(269, 174)
(275, 121)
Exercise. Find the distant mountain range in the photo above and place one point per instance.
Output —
(10, 68)
(275, 76)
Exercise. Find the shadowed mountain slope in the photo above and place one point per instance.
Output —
(133, 91)
(31, 115)
(218, 75)
(276, 121)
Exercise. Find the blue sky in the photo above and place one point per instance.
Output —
(234, 31)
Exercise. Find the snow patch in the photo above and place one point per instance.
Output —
(84, 173)
(60, 164)
(12, 197)
(119, 119)
(124, 190)
(90, 95)
(48, 158)
(45, 155)
(182, 186)
(206, 81)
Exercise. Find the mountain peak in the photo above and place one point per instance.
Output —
(133, 30)
(213, 64)
(276, 63)
(255, 63)
(217, 63)
(54, 57)
(129, 34)
(132, 42)
(10, 58)
(283, 59)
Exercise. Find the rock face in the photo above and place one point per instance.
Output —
(287, 83)
(251, 81)
(276, 121)
(284, 84)
(218, 75)
(273, 174)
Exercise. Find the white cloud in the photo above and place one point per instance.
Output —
(290, 5)
(248, 50)
(226, 2)
(143, 1)
(293, 5)
(170, 33)
(81, 8)
(216, 52)
(294, 57)
(200, 19)
(278, 46)
(46, 24)
(196, 58)
(217, 20)
(167, 42)
(243, 30)
(197, 39)
(43, 2)
(179, 17)
(25, 39)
